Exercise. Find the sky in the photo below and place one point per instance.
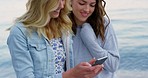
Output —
(10, 9)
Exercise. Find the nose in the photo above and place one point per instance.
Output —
(86, 8)
(61, 4)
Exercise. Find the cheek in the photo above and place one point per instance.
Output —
(92, 10)
(75, 5)
(64, 2)
(74, 8)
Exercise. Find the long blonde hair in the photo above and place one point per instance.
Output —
(37, 17)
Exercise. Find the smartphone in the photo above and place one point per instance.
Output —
(100, 61)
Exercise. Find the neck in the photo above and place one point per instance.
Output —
(79, 23)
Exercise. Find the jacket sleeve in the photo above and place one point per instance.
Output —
(109, 47)
(21, 58)
(56, 76)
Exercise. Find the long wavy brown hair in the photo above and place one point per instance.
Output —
(96, 20)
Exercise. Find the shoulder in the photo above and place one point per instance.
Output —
(67, 33)
(17, 27)
(87, 30)
(107, 23)
(106, 20)
(86, 27)
(109, 27)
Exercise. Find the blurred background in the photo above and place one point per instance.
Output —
(129, 19)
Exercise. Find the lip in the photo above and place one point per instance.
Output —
(58, 10)
(84, 14)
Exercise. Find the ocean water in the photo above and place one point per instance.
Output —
(130, 21)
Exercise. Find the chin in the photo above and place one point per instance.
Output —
(56, 16)
(83, 20)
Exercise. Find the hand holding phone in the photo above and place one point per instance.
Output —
(100, 61)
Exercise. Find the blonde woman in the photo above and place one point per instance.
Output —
(40, 43)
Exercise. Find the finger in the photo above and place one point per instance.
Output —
(92, 61)
(98, 68)
(85, 64)
(85, 67)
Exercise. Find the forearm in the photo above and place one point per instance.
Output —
(89, 39)
(82, 70)
(97, 50)
(68, 74)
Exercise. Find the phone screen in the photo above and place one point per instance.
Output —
(100, 61)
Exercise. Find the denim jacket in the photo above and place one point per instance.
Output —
(32, 56)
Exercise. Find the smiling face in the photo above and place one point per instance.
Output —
(56, 13)
(82, 9)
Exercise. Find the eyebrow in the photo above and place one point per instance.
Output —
(83, 1)
(86, 1)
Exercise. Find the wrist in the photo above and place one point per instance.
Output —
(69, 74)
